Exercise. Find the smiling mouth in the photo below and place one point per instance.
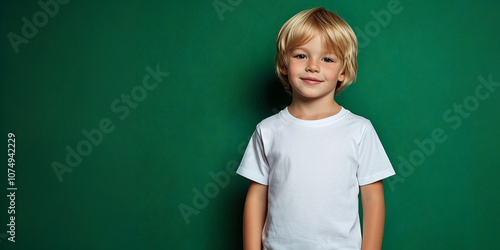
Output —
(311, 80)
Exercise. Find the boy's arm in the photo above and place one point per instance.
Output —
(372, 198)
(254, 216)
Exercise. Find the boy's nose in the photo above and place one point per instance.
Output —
(312, 67)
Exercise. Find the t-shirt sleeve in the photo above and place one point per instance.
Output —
(254, 165)
(374, 165)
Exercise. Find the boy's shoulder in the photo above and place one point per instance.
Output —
(357, 118)
(271, 121)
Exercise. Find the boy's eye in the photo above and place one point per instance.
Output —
(300, 56)
(328, 60)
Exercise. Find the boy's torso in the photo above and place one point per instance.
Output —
(313, 189)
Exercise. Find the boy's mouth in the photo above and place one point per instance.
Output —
(311, 80)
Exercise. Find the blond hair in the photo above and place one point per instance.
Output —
(335, 33)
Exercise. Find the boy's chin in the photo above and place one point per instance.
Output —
(310, 97)
(312, 94)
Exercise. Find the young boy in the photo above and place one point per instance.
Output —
(308, 162)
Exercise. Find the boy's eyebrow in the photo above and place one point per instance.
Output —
(299, 48)
(323, 52)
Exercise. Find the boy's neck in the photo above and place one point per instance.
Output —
(313, 109)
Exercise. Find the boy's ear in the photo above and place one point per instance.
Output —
(341, 77)
(283, 70)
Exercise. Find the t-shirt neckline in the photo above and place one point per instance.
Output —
(313, 123)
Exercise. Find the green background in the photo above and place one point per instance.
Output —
(125, 194)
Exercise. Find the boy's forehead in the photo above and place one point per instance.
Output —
(327, 45)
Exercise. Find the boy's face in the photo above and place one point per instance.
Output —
(313, 72)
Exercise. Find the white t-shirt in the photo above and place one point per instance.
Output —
(313, 170)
